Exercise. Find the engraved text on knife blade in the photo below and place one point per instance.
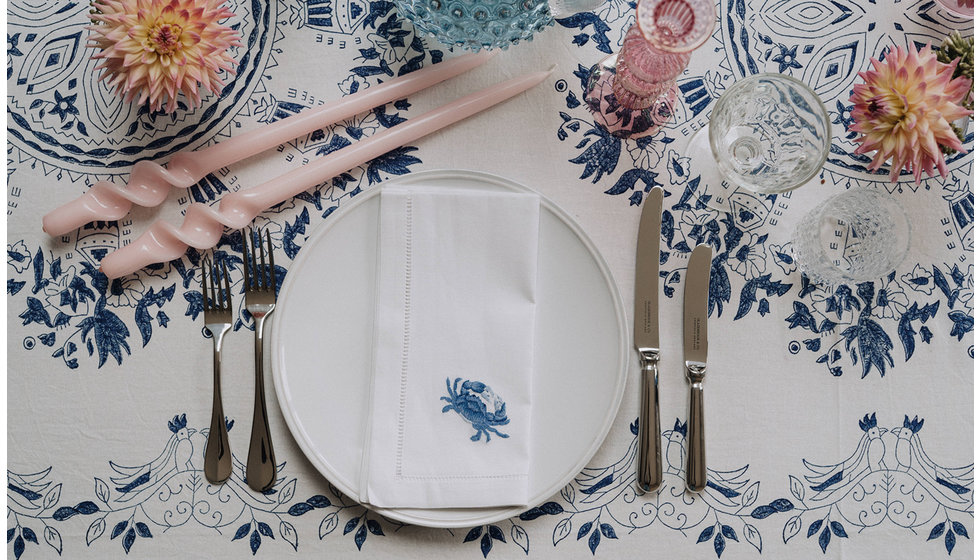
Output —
(696, 333)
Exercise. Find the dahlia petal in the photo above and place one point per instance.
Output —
(903, 109)
(158, 50)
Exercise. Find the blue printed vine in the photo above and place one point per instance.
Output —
(888, 478)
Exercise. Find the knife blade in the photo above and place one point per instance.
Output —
(696, 360)
(646, 338)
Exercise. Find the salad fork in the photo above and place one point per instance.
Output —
(260, 300)
(217, 319)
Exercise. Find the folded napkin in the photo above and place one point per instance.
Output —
(449, 420)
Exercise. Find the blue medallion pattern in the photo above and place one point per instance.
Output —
(78, 314)
(64, 117)
(476, 403)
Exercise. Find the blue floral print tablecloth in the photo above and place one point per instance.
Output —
(840, 423)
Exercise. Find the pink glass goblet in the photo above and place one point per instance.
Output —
(633, 92)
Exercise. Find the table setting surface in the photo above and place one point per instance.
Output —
(838, 422)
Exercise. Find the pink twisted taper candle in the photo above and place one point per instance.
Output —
(203, 225)
(150, 183)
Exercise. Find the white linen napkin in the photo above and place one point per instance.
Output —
(449, 420)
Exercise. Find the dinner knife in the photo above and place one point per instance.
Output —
(646, 337)
(696, 360)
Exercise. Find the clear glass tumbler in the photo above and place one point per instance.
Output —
(768, 133)
(857, 236)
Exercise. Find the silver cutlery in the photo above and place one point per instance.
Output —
(217, 319)
(260, 301)
(696, 360)
(646, 338)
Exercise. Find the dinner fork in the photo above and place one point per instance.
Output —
(260, 300)
(217, 319)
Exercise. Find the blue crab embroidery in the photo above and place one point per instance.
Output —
(477, 404)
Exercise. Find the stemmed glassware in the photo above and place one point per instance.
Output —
(632, 93)
(768, 134)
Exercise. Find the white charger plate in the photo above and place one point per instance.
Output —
(322, 348)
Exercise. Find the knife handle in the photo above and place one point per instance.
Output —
(697, 472)
(650, 473)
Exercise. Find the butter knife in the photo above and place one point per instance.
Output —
(696, 360)
(646, 337)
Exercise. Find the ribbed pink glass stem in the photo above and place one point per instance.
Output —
(644, 72)
(658, 47)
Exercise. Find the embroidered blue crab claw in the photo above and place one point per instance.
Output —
(477, 404)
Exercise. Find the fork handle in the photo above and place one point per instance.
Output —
(217, 453)
(261, 467)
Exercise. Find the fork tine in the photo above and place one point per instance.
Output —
(263, 280)
(245, 259)
(272, 260)
(252, 260)
(204, 282)
(227, 302)
(212, 293)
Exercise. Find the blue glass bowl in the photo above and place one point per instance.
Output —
(478, 24)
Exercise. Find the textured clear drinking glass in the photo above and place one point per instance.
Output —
(633, 92)
(478, 24)
(857, 236)
(768, 133)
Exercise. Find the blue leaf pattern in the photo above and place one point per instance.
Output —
(706, 534)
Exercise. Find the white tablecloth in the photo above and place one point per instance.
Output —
(873, 382)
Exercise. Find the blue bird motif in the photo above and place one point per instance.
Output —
(476, 403)
(876, 445)
(601, 484)
(175, 457)
(953, 484)
(888, 478)
(25, 489)
(674, 452)
(831, 480)
(724, 488)
(903, 449)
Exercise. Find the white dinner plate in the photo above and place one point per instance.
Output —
(322, 348)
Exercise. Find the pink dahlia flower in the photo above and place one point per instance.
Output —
(151, 50)
(904, 109)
